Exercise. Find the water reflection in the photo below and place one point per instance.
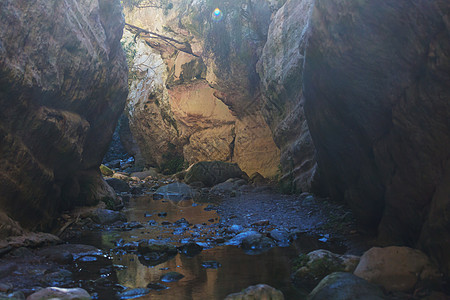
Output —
(237, 272)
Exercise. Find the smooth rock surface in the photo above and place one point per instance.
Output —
(396, 268)
(60, 293)
(212, 172)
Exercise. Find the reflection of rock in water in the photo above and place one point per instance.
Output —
(236, 273)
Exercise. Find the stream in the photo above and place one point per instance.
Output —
(213, 272)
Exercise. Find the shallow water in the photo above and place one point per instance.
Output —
(238, 270)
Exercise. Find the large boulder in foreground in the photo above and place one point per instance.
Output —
(397, 268)
(211, 173)
(63, 84)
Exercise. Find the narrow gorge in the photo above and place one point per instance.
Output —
(206, 149)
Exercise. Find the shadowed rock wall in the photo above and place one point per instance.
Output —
(373, 78)
(62, 88)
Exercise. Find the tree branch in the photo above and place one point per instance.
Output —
(168, 40)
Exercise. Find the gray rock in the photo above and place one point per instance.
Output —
(106, 216)
(260, 291)
(118, 185)
(144, 174)
(345, 286)
(211, 173)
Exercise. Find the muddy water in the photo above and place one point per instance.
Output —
(237, 269)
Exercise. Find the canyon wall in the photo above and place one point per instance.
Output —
(372, 79)
(199, 100)
(63, 85)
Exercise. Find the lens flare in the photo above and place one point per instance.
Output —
(217, 15)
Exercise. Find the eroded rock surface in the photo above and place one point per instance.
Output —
(62, 88)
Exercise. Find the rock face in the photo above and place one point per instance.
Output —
(260, 291)
(203, 105)
(62, 88)
(372, 80)
(378, 112)
(281, 70)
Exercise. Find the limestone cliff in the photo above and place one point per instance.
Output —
(62, 88)
(203, 104)
(372, 79)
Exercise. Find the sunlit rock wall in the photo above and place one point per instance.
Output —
(204, 106)
(373, 78)
(62, 88)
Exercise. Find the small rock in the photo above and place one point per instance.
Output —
(260, 291)
(134, 293)
(190, 249)
(60, 293)
(162, 214)
(171, 277)
(5, 287)
(345, 286)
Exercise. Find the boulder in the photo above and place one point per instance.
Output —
(260, 291)
(106, 216)
(63, 83)
(397, 268)
(314, 266)
(176, 191)
(118, 185)
(171, 277)
(345, 286)
(60, 293)
(211, 173)
(144, 174)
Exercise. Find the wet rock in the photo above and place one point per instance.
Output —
(282, 237)
(190, 249)
(252, 241)
(162, 214)
(176, 191)
(235, 228)
(314, 266)
(29, 240)
(137, 190)
(106, 171)
(171, 277)
(157, 286)
(5, 287)
(60, 277)
(211, 173)
(345, 286)
(60, 293)
(260, 291)
(211, 264)
(134, 293)
(397, 268)
(118, 185)
(21, 252)
(154, 252)
(76, 250)
(106, 216)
